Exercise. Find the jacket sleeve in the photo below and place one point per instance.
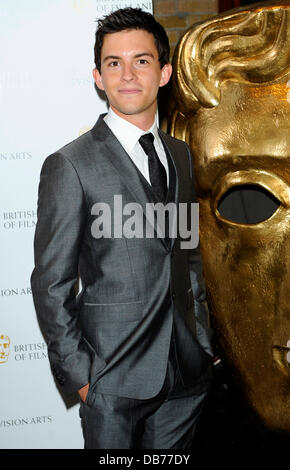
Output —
(203, 329)
(61, 216)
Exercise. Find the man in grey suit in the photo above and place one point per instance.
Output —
(135, 341)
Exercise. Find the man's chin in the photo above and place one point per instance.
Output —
(128, 111)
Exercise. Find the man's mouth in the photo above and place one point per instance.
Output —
(129, 91)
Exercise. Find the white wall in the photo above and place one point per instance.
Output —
(47, 98)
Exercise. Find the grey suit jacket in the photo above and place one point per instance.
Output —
(136, 292)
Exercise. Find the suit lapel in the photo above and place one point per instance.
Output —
(171, 154)
(173, 166)
(174, 174)
(123, 164)
(129, 173)
(120, 160)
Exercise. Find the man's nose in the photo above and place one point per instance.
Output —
(128, 72)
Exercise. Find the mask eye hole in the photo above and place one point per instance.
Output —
(247, 204)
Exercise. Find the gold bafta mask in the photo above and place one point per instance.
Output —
(231, 103)
(4, 348)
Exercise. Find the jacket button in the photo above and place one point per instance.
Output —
(173, 296)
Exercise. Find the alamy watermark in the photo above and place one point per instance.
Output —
(162, 220)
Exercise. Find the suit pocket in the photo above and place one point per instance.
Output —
(110, 328)
(117, 312)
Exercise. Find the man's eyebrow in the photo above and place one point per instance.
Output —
(144, 53)
(140, 54)
(111, 57)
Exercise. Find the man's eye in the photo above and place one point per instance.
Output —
(142, 61)
(114, 63)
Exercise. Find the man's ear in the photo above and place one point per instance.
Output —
(166, 72)
(98, 79)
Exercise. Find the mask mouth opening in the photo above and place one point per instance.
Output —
(247, 204)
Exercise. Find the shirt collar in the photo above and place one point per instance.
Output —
(128, 134)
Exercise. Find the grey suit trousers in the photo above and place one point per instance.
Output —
(166, 421)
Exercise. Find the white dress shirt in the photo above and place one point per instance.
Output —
(128, 135)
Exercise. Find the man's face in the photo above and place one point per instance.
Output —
(131, 73)
(246, 140)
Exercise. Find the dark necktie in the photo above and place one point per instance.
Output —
(157, 171)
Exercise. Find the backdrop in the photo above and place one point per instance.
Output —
(47, 99)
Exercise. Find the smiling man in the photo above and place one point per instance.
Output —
(132, 75)
(135, 342)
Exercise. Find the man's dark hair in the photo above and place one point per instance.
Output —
(131, 18)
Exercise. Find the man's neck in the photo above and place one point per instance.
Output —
(143, 120)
